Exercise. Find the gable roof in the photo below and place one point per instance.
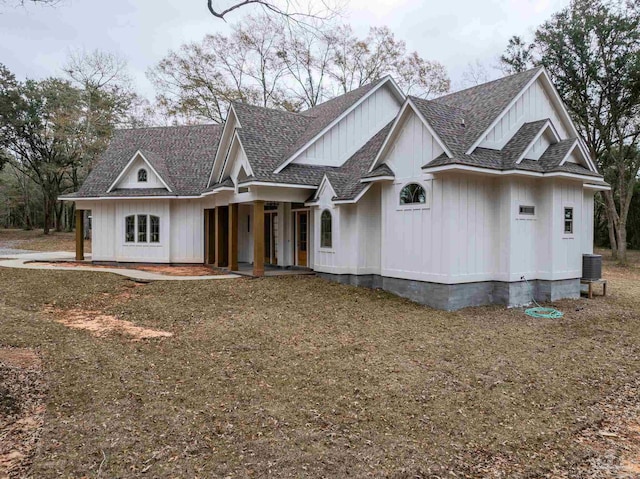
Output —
(324, 115)
(181, 155)
(483, 104)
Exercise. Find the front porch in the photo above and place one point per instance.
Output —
(259, 238)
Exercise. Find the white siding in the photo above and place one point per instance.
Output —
(187, 231)
(130, 178)
(587, 222)
(538, 148)
(353, 131)
(103, 224)
(534, 104)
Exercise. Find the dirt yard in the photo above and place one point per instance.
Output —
(298, 377)
(35, 240)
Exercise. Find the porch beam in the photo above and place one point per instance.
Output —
(79, 235)
(233, 237)
(258, 238)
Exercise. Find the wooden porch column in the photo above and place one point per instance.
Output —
(233, 237)
(209, 236)
(258, 238)
(221, 235)
(79, 235)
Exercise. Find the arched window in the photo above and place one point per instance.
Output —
(142, 175)
(325, 230)
(413, 193)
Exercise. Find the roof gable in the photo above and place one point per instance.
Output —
(158, 176)
(326, 116)
(411, 105)
(187, 152)
(482, 105)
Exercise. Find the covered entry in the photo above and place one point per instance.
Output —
(257, 236)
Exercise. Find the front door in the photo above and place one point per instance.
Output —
(302, 236)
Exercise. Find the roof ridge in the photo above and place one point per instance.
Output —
(168, 127)
(369, 84)
(275, 110)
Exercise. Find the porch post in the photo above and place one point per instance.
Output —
(221, 238)
(233, 237)
(209, 236)
(79, 235)
(258, 238)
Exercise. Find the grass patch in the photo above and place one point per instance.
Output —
(294, 376)
(36, 240)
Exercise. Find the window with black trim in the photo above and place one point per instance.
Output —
(130, 229)
(326, 239)
(154, 229)
(568, 221)
(142, 175)
(142, 229)
(413, 194)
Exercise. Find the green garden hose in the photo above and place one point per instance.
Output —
(539, 311)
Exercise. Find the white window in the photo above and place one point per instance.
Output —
(526, 210)
(326, 240)
(413, 194)
(142, 175)
(568, 221)
(142, 229)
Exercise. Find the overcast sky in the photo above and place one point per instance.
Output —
(35, 40)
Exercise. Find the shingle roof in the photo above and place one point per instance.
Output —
(182, 155)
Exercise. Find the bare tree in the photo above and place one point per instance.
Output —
(301, 12)
(474, 74)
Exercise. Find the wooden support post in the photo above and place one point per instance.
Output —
(221, 236)
(233, 237)
(209, 236)
(79, 235)
(258, 238)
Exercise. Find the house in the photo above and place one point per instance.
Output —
(451, 202)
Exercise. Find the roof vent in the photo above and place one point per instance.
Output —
(462, 122)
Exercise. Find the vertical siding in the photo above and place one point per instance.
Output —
(103, 214)
(187, 231)
(587, 222)
(353, 131)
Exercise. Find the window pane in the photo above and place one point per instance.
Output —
(130, 229)
(155, 229)
(142, 228)
(413, 194)
(568, 220)
(325, 230)
(142, 175)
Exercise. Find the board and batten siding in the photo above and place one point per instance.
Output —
(187, 231)
(353, 131)
(533, 105)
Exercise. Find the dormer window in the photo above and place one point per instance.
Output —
(142, 175)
